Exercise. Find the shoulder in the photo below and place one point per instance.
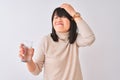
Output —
(43, 41)
(79, 35)
(46, 38)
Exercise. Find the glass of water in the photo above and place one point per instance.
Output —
(27, 54)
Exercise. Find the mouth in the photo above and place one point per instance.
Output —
(59, 24)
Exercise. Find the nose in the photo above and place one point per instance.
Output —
(59, 19)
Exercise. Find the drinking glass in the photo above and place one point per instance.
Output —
(27, 46)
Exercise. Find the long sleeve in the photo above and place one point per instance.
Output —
(86, 36)
(39, 58)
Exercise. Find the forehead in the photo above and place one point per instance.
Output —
(60, 13)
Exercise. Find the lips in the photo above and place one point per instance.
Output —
(59, 24)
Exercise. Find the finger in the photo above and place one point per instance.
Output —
(21, 56)
(22, 53)
(65, 4)
(22, 45)
(31, 51)
(22, 50)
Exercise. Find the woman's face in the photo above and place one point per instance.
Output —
(61, 24)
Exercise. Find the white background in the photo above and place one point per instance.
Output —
(31, 19)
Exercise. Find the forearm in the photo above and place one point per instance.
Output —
(31, 66)
(83, 27)
(86, 36)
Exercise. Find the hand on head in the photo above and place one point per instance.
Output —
(68, 8)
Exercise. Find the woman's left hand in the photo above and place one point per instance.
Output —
(68, 8)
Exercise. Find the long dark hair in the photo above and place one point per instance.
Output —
(73, 26)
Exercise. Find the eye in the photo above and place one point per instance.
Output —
(55, 17)
(64, 17)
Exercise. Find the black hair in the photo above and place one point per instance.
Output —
(60, 12)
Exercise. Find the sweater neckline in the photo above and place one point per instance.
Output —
(63, 36)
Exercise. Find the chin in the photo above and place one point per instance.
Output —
(61, 31)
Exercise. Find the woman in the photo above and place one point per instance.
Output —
(58, 52)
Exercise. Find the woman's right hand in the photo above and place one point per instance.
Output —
(26, 53)
(68, 8)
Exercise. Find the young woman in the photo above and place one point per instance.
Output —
(58, 51)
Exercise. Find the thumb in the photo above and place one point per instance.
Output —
(32, 51)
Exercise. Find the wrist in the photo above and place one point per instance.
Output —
(77, 16)
(30, 61)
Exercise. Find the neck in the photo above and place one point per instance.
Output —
(63, 35)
